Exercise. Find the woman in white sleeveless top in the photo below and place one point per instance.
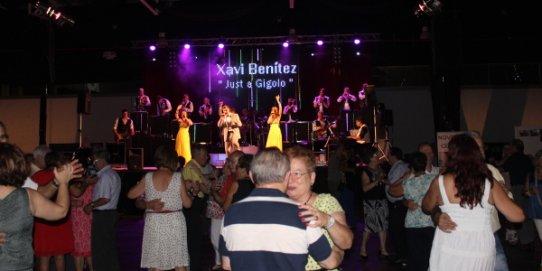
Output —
(467, 193)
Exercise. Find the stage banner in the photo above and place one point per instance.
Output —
(443, 138)
(531, 137)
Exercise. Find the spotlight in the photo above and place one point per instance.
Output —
(320, 42)
(285, 44)
(358, 53)
(221, 45)
(357, 41)
(186, 46)
(47, 12)
(153, 59)
(152, 48)
(428, 7)
(312, 54)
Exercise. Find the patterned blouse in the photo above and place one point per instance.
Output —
(415, 189)
(328, 204)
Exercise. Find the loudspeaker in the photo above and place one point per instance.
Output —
(83, 102)
(135, 158)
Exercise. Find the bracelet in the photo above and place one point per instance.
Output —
(330, 222)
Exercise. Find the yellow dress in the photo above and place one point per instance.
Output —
(274, 138)
(182, 143)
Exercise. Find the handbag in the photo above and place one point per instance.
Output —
(214, 210)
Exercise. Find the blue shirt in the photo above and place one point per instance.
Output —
(108, 186)
(264, 232)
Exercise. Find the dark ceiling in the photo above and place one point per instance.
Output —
(489, 31)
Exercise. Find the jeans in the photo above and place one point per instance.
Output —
(500, 258)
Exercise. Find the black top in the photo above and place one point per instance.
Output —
(519, 166)
(122, 128)
(245, 187)
(376, 193)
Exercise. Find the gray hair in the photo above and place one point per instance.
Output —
(41, 151)
(102, 154)
(269, 166)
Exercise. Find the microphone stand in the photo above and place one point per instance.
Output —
(375, 143)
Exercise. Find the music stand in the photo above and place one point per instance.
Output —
(375, 142)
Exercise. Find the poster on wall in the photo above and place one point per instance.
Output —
(443, 138)
(531, 137)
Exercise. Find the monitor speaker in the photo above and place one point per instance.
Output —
(135, 158)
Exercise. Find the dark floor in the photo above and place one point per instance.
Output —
(130, 234)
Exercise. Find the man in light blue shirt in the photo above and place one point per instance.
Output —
(104, 210)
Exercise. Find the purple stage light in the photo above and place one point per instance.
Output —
(221, 45)
(152, 48)
(358, 53)
(320, 42)
(285, 44)
(186, 46)
(357, 41)
(153, 59)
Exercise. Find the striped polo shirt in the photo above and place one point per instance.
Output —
(265, 232)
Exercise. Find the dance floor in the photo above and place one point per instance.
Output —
(130, 234)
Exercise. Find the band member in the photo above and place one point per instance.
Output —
(362, 134)
(163, 108)
(182, 142)
(274, 137)
(142, 100)
(320, 126)
(290, 110)
(123, 127)
(321, 102)
(361, 95)
(206, 110)
(346, 110)
(185, 105)
(229, 122)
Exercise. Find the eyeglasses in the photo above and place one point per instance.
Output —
(298, 174)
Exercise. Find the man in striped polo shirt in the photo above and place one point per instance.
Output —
(264, 231)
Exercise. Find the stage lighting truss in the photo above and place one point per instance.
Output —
(263, 41)
(47, 12)
(428, 7)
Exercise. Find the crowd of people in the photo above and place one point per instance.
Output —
(262, 211)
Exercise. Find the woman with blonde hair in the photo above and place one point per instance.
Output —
(182, 142)
(274, 137)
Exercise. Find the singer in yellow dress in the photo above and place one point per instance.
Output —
(274, 138)
(182, 142)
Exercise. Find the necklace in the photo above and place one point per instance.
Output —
(310, 196)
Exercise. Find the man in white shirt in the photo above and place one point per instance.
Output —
(345, 101)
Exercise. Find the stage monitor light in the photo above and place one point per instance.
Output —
(221, 45)
(357, 41)
(152, 48)
(285, 44)
(186, 46)
(320, 42)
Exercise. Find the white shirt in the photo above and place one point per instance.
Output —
(29, 183)
(396, 172)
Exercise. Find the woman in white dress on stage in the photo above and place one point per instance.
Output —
(467, 193)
